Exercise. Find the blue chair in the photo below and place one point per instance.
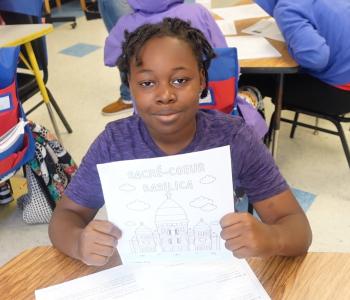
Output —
(222, 81)
(17, 145)
(28, 7)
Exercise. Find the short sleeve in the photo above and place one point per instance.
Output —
(256, 171)
(85, 188)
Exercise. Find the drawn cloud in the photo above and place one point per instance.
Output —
(208, 207)
(207, 179)
(201, 201)
(138, 205)
(127, 187)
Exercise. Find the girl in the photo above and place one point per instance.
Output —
(166, 66)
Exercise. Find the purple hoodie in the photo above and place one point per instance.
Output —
(317, 34)
(154, 11)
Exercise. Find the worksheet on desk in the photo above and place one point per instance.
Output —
(228, 280)
(252, 47)
(169, 208)
(240, 12)
(266, 28)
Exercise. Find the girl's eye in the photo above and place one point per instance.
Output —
(180, 81)
(146, 84)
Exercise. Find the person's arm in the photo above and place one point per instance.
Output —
(305, 45)
(73, 231)
(283, 229)
(113, 43)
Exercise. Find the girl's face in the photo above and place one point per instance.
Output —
(166, 88)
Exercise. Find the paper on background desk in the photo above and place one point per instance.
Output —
(226, 27)
(252, 47)
(169, 208)
(232, 279)
(240, 12)
(266, 28)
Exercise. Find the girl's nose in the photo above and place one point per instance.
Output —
(166, 94)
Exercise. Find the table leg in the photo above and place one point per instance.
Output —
(42, 87)
(277, 121)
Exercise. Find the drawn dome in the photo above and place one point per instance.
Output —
(170, 211)
(142, 229)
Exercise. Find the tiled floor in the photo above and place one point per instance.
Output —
(82, 85)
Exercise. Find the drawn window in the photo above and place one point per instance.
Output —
(176, 231)
(169, 231)
(170, 241)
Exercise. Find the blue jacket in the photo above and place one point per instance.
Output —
(153, 11)
(317, 33)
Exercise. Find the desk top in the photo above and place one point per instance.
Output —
(313, 276)
(283, 64)
(15, 35)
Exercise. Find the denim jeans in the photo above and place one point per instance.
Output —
(111, 11)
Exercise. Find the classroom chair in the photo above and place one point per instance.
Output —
(334, 111)
(50, 19)
(17, 145)
(26, 82)
(222, 81)
(222, 90)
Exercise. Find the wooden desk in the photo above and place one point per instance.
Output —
(277, 65)
(314, 276)
(16, 35)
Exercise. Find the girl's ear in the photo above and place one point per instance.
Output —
(202, 79)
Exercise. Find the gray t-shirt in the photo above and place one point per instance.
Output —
(253, 168)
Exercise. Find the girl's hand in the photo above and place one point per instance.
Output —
(97, 242)
(246, 236)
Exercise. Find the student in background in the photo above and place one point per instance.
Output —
(166, 69)
(152, 11)
(317, 36)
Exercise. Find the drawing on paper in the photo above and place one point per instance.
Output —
(203, 203)
(172, 231)
(138, 205)
(127, 187)
(207, 179)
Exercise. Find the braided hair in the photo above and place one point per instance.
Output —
(169, 27)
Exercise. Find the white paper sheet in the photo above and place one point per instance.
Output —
(240, 12)
(252, 47)
(266, 28)
(116, 283)
(227, 27)
(229, 280)
(232, 279)
(169, 208)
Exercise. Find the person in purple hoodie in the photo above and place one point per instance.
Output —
(166, 66)
(317, 36)
(153, 11)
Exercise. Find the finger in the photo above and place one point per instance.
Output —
(242, 252)
(107, 228)
(106, 240)
(233, 218)
(96, 260)
(235, 244)
(102, 250)
(232, 231)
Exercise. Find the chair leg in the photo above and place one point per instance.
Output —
(294, 125)
(316, 125)
(343, 141)
(59, 112)
(268, 135)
